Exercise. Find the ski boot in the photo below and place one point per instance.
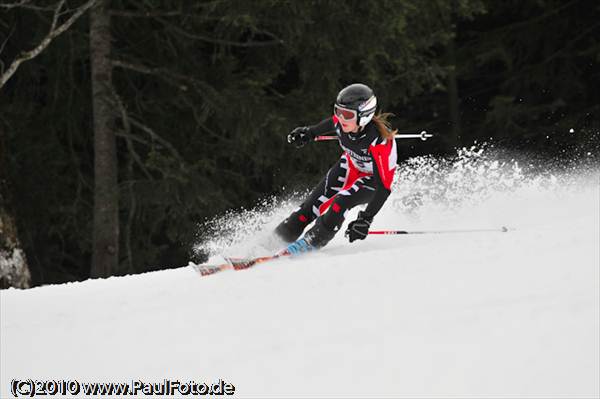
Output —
(317, 237)
(291, 228)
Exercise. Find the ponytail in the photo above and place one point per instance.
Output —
(384, 126)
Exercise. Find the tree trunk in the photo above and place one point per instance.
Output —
(14, 271)
(105, 255)
(453, 98)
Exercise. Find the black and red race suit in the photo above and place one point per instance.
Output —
(363, 175)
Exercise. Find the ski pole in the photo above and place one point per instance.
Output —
(423, 136)
(503, 229)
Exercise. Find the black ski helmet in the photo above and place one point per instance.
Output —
(360, 98)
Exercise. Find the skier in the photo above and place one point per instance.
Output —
(363, 174)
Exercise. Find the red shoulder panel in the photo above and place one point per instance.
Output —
(385, 157)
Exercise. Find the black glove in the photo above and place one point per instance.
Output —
(300, 136)
(359, 229)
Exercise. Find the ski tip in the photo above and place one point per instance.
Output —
(207, 270)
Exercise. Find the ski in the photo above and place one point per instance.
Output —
(237, 263)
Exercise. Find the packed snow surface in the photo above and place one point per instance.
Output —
(512, 314)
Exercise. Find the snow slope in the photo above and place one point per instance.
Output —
(458, 315)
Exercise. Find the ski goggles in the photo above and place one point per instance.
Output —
(344, 113)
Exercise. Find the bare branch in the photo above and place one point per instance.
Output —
(144, 14)
(26, 4)
(156, 137)
(53, 33)
(14, 5)
(128, 136)
(224, 42)
(175, 79)
(4, 44)
(59, 7)
(172, 13)
(160, 72)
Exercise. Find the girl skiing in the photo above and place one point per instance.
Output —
(363, 174)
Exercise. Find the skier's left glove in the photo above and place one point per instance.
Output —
(300, 136)
(358, 229)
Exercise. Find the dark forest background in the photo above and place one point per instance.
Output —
(201, 95)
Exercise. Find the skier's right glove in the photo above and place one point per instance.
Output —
(359, 229)
(300, 136)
